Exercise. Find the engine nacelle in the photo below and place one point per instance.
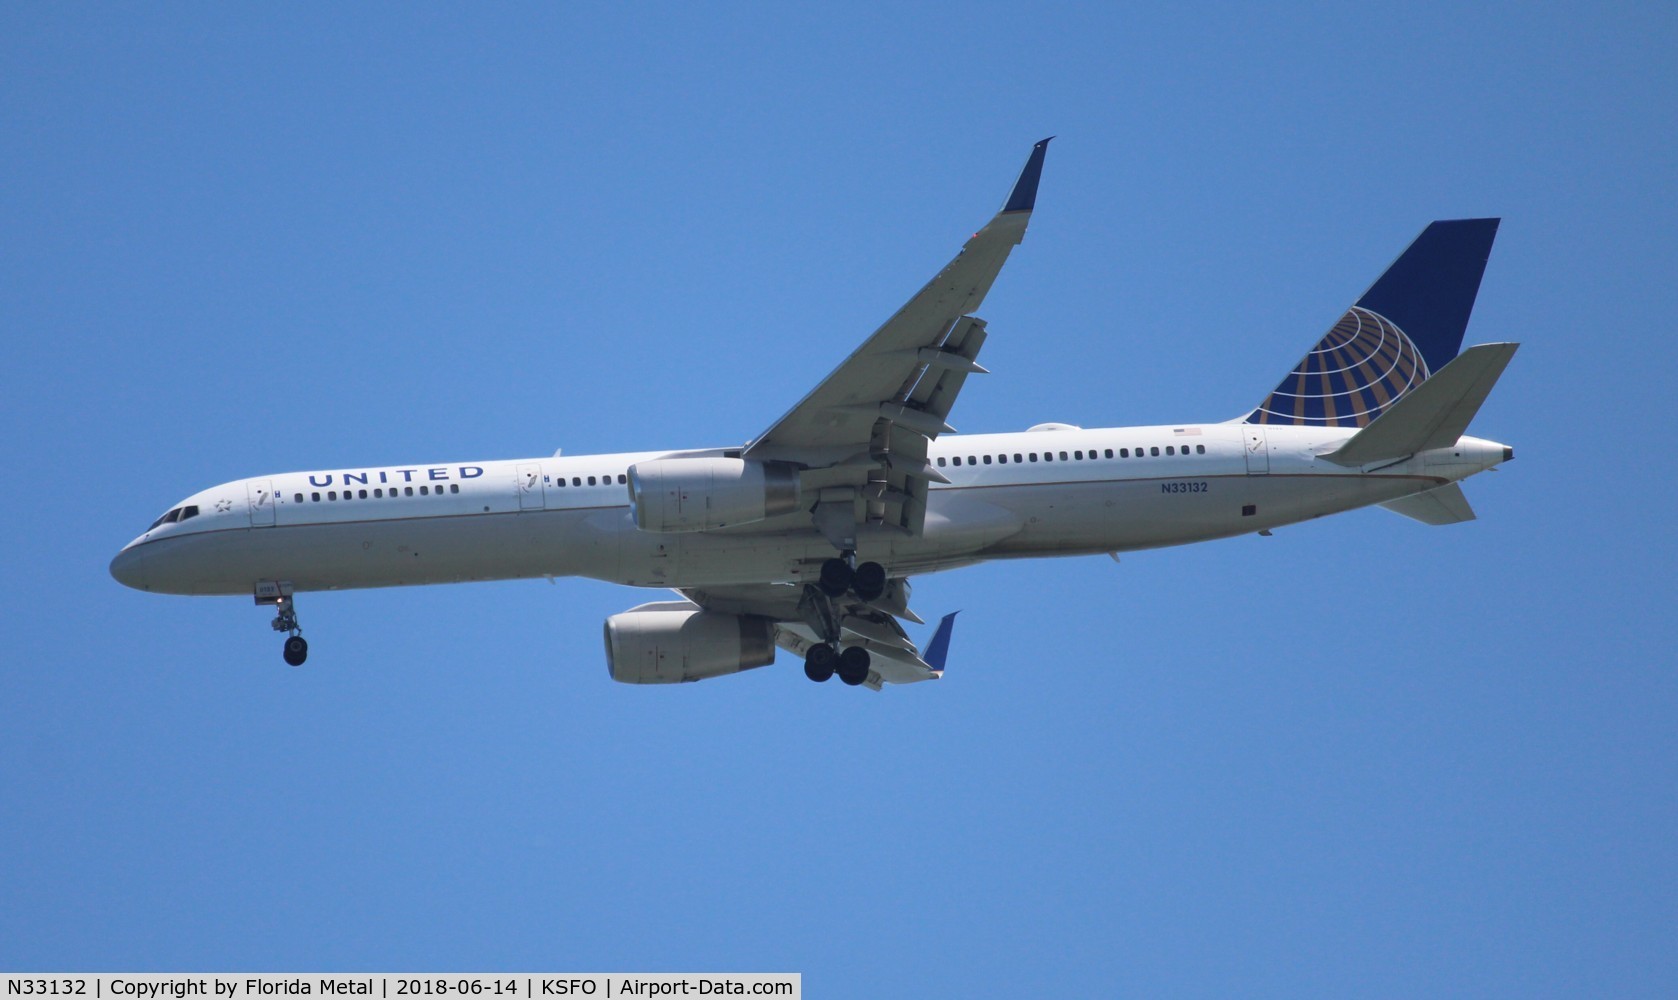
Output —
(693, 494)
(676, 641)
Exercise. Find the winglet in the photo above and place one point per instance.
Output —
(939, 647)
(1024, 196)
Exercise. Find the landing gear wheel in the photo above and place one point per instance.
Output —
(835, 577)
(819, 662)
(853, 665)
(296, 650)
(869, 581)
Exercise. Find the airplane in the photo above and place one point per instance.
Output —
(803, 537)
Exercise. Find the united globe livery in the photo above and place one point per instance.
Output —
(804, 537)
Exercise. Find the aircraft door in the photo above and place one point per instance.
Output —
(532, 492)
(1258, 450)
(260, 493)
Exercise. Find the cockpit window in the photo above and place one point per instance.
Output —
(175, 514)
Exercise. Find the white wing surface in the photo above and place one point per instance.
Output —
(867, 425)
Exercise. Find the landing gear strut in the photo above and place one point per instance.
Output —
(296, 648)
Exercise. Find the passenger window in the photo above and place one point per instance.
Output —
(361, 494)
(299, 498)
(940, 461)
(1200, 449)
(956, 460)
(1078, 455)
(1002, 459)
(1154, 451)
(972, 461)
(425, 491)
(591, 480)
(331, 494)
(1048, 456)
(454, 487)
(1032, 456)
(1109, 453)
(1124, 452)
(987, 459)
(1169, 450)
(576, 480)
(315, 497)
(1018, 458)
(407, 491)
(1063, 456)
(623, 480)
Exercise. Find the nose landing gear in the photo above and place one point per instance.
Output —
(296, 648)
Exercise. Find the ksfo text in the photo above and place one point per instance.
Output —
(696, 987)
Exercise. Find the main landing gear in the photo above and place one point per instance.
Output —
(850, 663)
(867, 581)
(296, 648)
(839, 576)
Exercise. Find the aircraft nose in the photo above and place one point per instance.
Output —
(129, 568)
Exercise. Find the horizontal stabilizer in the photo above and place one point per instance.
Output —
(1435, 414)
(1445, 505)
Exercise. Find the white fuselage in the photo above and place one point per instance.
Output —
(1015, 495)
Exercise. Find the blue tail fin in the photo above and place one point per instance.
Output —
(1408, 325)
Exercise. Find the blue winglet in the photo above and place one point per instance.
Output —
(939, 647)
(1024, 196)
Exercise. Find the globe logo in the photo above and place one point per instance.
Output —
(1363, 364)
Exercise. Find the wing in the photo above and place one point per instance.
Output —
(861, 435)
(873, 626)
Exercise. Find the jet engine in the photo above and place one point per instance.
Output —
(693, 494)
(676, 641)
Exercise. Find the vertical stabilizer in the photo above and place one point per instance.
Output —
(1408, 325)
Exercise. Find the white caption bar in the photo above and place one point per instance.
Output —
(400, 985)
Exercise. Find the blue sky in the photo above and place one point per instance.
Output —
(1361, 757)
